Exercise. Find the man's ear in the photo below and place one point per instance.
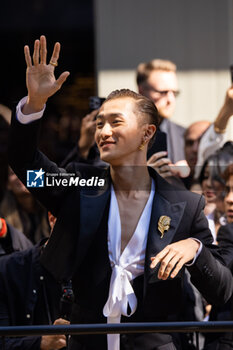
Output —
(52, 220)
(150, 131)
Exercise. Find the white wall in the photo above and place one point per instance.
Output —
(196, 35)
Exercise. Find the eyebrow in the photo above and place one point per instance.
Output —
(110, 115)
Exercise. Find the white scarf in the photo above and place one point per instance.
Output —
(125, 266)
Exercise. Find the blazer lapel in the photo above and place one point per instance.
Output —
(155, 243)
(92, 209)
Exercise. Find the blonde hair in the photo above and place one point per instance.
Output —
(144, 69)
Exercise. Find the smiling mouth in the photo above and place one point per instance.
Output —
(106, 143)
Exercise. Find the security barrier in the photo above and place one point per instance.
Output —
(154, 327)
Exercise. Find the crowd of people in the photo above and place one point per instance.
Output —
(120, 254)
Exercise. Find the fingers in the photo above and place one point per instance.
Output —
(161, 165)
(27, 56)
(164, 169)
(62, 78)
(178, 267)
(155, 260)
(157, 156)
(56, 52)
(168, 265)
(43, 50)
(61, 343)
(36, 52)
(52, 342)
(40, 52)
(171, 264)
(162, 162)
(89, 122)
(61, 321)
(90, 117)
(180, 168)
(158, 160)
(93, 114)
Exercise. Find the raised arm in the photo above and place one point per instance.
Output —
(24, 133)
(221, 121)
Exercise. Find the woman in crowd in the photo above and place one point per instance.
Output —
(213, 185)
(224, 341)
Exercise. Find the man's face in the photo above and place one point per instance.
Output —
(119, 133)
(162, 88)
(228, 200)
(192, 140)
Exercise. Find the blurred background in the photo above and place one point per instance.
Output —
(196, 35)
(103, 41)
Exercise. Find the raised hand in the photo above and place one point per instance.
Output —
(40, 79)
(160, 163)
(87, 133)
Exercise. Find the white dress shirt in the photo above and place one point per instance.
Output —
(126, 265)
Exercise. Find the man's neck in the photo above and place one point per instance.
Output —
(129, 179)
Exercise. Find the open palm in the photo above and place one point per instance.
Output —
(40, 78)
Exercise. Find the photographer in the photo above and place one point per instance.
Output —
(29, 295)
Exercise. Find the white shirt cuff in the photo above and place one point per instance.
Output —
(27, 118)
(198, 252)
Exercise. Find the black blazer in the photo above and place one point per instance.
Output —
(82, 214)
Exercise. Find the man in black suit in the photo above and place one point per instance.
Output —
(29, 295)
(125, 246)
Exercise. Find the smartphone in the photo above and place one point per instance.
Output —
(160, 144)
(95, 102)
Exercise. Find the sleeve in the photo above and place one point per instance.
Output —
(209, 273)
(26, 119)
(197, 254)
(225, 243)
(24, 343)
(24, 156)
